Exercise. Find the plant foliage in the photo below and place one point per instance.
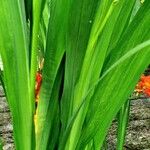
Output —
(94, 53)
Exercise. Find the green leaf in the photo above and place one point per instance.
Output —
(1, 147)
(127, 56)
(90, 50)
(55, 48)
(123, 117)
(95, 55)
(13, 49)
(2, 80)
(51, 131)
(28, 9)
(137, 34)
(121, 23)
(38, 7)
(108, 99)
(80, 22)
(133, 35)
(43, 29)
(137, 5)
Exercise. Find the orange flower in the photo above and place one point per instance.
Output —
(147, 92)
(143, 85)
(38, 85)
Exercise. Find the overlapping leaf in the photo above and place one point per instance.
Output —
(13, 49)
(90, 52)
(55, 47)
(106, 97)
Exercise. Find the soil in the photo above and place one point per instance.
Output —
(138, 132)
(5, 123)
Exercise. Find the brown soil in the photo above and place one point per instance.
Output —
(138, 132)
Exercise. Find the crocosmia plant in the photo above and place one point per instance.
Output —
(93, 53)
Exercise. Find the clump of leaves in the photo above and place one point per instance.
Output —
(94, 53)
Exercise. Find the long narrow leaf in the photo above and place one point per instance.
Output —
(1, 144)
(13, 49)
(105, 100)
(94, 58)
(130, 54)
(54, 53)
(123, 117)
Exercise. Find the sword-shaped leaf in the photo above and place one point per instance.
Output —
(13, 48)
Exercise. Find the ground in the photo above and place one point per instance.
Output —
(138, 133)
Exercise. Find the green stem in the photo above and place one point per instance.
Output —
(1, 147)
(105, 146)
(123, 118)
